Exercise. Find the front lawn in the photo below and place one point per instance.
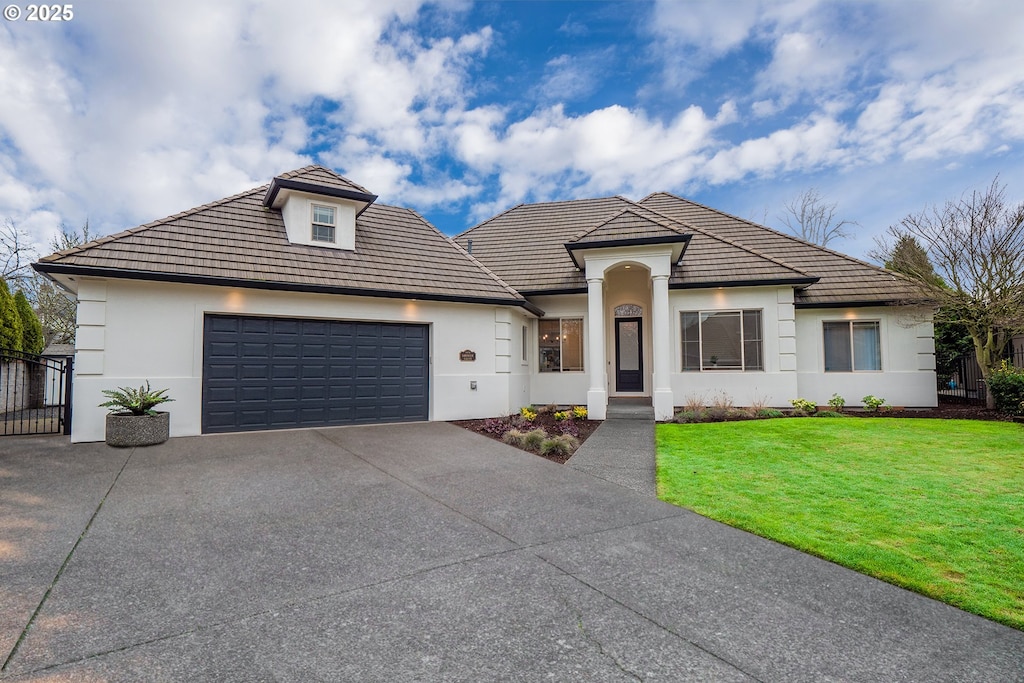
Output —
(936, 506)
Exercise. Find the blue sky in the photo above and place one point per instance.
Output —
(133, 111)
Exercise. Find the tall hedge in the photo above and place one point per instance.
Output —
(31, 328)
(10, 322)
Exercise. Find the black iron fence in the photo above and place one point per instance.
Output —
(962, 382)
(35, 393)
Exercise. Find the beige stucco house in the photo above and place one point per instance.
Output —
(306, 302)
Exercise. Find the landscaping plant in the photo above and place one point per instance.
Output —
(873, 403)
(837, 403)
(1007, 386)
(129, 401)
(534, 438)
(579, 412)
(801, 406)
(563, 444)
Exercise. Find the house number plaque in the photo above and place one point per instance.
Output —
(467, 355)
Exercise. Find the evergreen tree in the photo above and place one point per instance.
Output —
(909, 258)
(31, 328)
(10, 321)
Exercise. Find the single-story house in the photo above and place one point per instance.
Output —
(306, 302)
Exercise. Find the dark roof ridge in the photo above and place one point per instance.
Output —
(152, 224)
(731, 242)
(773, 230)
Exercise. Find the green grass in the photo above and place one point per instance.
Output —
(936, 506)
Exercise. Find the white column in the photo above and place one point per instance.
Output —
(597, 395)
(660, 313)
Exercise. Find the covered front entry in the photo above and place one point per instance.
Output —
(276, 373)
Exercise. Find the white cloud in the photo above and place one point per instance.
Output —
(137, 110)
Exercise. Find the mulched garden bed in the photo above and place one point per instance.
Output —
(948, 411)
(495, 427)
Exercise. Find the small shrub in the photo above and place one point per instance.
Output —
(563, 444)
(497, 426)
(837, 403)
(828, 413)
(758, 403)
(549, 408)
(770, 413)
(694, 403)
(873, 403)
(528, 413)
(1007, 386)
(736, 414)
(515, 437)
(569, 427)
(801, 406)
(534, 438)
(579, 412)
(716, 414)
(690, 416)
(722, 401)
(561, 415)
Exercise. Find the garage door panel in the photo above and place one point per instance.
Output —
(270, 373)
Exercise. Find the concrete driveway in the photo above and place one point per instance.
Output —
(422, 552)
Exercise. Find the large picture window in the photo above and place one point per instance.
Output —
(722, 340)
(852, 346)
(561, 345)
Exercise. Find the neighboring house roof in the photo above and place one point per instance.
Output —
(525, 246)
(238, 242)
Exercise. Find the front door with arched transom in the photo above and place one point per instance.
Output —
(629, 362)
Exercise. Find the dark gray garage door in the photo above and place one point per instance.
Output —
(274, 373)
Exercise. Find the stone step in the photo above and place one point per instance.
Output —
(630, 409)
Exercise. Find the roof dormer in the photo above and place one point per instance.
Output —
(319, 207)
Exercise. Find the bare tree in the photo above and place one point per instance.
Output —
(976, 244)
(813, 219)
(16, 254)
(57, 310)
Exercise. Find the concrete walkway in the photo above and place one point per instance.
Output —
(423, 552)
(622, 449)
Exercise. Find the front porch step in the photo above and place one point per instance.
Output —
(630, 409)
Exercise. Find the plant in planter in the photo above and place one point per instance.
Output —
(132, 420)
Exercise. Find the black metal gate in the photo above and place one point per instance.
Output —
(962, 381)
(35, 393)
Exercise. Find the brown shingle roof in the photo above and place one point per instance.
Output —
(842, 278)
(236, 240)
(523, 246)
(627, 225)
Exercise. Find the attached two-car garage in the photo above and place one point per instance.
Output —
(277, 373)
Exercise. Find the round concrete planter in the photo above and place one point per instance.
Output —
(124, 431)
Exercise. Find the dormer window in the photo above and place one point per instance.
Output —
(324, 223)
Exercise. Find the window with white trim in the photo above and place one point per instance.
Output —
(560, 344)
(722, 340)
(852, 345)
(324, 223)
